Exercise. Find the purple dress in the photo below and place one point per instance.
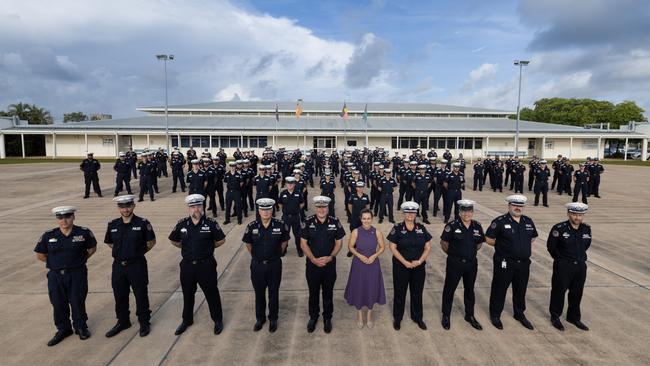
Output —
(365, 284)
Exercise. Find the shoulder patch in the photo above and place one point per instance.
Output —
(447, 228)
(494, 225)
(555, 233)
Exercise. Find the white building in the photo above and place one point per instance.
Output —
(253, 125)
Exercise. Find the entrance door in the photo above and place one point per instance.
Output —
(324, 142)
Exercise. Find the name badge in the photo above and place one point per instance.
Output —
(113, 230)
(507, 226)
(78, 238)
(137, 228)
(457, 231)
(255, 231)
(504, 264)
(53, 240)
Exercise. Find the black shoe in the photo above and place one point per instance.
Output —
(153, 199)
(396, 325)
(86, 197)
(349, 254)
(381, 221)
(327, 325)
(115, 194)
(473, 322)
(580, 325)
(182, 190)
(218, 327)
(273, 326)
(445, 322)
(99, 195)
(596, 197)
(117, 329)
(84, 333)
(226, 222)
(522, 319)
(545, 205)
(555, 322)
(311, 325)
(245, 214)
(140, 200)
(145, 329)
(426, 221)
(497, 323)
(58, 337)
(258, 325)
(421, 324)
(238, 222)
(173, 191)
(182, 328)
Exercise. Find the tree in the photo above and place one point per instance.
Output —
(31, 113)
(74, 117)
(580, 112)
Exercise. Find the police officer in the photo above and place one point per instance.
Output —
(90, 166)
(177, 163)
(321, 239)
(123, 174)
(210, 177)
(234, 183)
(262, 183)
(291, 203)
(518, 172)
(478, 174)
(197, 236)
(266, 240)
(220, 171)
(386, 186)
(568, 243)
(461, 239)
(146, 169)
(196, 178)
(581, 184)
(327, 187)
(541, 175)
(358, 201)
(65, 251)
(452, 183)
(129, 238)
(410, 243)
(161, 161)
(421, 183)
(132, 159)
(596, 170)
(512, 236)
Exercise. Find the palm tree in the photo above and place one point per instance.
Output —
(31, 113)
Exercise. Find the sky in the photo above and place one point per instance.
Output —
(99, 56)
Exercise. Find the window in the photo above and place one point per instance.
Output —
(205, 141)
(590, 144)
(478, 143)
(451, 142)
(185, 141)
(215, 141)
(393, 143)
(196, 141)
(437, 143)
(174, 140)
(107, 141)
(550, 144)
(531, 144)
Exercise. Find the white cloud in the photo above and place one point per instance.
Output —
(484, 72)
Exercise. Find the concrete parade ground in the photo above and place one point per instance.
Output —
(616, 302)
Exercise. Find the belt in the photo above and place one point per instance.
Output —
(66, 270)
(266, 261)
(571, 261)
(127, 262)
(463, 260)
(197, 261)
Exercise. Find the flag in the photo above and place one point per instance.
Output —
(277, 114)
(298, 108)
(365, 113)
(344, 112)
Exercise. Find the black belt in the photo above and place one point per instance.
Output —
(572, 261)
(127, 262)
(197, 261)
(266, 261)
(463, 260)
(67, 270)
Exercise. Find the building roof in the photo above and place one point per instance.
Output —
(308, 106)
(267, 124)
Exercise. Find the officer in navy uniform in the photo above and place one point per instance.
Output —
(262, 183)
(321, 240)
(90, 166)
(410, 243)
(234, 185)
(197, 236)
(568, 243)
(327, 187)
(291, 203)
(146, 170)
(512, 236)
(581, 184)
(452, 183)
(210, 177)
(358, 201)
(65, 251)
(386, 187)
(461, 239)
(421, 183)
(541, 175)
(129, 238)
(177, 163)
(220, 171)
(478, 174)
(266, 240)
(596, 170)
(123, 174)
(196, 178)
(132, 159)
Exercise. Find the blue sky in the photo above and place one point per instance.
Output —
(98, 57)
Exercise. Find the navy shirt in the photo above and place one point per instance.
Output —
(454, 181)
(266, 242)
(66, 252)
(387, 184)
(321, 237)
(290, 202)
(197, 241)
(233, 180)
(122, 167)
(513, 240)
(197, 181)
(566, 242)
(358, 203)
(463, 240)
(129, 240)
(410, 244)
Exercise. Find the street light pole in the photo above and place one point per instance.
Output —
(521, 64)
(164, 59)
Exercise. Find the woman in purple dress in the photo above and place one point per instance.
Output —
(365, 286)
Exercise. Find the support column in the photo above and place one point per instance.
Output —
(599, 150)
(86, 141)
(178, 140)
(3, 154)
(53, 145)
(457, 146)
(543, 148)
(487, 145)
(644, 151)
(624, 155)
(22, 144)
(148, 142)
(571, 148)
(117, 145)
